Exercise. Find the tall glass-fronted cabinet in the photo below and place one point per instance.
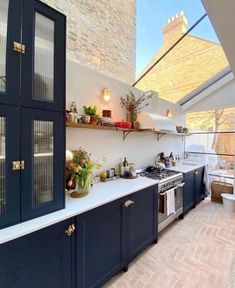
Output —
(32, 105)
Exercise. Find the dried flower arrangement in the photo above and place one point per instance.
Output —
(133, 105)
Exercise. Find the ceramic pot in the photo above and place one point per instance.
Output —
(94, 120)
(136, 125)
(86, 119)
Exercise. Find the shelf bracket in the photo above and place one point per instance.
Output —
(125, 134)
(159, 135)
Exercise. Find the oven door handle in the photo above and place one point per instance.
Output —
(180, 185)
(163, 193)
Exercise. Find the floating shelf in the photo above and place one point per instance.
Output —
(161, 133)
(126, 131)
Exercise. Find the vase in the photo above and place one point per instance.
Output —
(136, 125)
(86, 119)
(82, 186)
(131, 117)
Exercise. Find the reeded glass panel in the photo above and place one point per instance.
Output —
(3, 42)
(43, 162)
(44, 58)
(2, 166)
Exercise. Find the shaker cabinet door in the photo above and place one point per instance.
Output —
(142, 221)
(9, 175)
(199, 185)
(42, 180)
(99, 245)
(189, 192)
(42, 259)
(10, 33)
(43, 67)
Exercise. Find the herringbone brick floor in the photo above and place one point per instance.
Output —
(197, 252)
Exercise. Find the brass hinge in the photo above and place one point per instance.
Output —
(18, 47)
(17, 165)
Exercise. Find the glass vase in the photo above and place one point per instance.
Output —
(131, 117)
(82, 186)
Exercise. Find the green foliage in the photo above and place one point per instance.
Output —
(90, 110)
(81, 165)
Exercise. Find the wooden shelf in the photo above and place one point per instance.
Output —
(126, 131)
(161, 133)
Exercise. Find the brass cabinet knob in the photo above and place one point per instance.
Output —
(69, 231)
(128, 203)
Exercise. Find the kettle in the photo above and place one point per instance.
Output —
(159, 165)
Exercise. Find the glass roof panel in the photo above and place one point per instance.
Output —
(197, 58)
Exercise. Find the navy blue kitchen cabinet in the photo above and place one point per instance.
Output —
(32, 52)
(99, 244)
(9, 152)
(110, 236)
(43, 65)
(43, 142)
(85, 251)
(42, 259)
(199, 185)
(194, 189)
(141, 221)
(32, 110)
(188, 192)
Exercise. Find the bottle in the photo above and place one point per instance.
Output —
(125, 163)
(120, 167)
(124, 167)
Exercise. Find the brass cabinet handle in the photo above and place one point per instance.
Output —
(19, 47)
(128, 203)
(69, 231)
(17, 165)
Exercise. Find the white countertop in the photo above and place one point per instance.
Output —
(100, 194)
(185, 168)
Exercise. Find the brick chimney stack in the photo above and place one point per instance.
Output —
(175, 28)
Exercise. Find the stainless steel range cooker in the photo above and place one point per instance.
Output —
(170, 194)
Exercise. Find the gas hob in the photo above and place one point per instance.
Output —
(165, 178)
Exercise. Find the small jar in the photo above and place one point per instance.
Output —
(107, 113)
(71, 117)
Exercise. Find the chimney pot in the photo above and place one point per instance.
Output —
(176, 26)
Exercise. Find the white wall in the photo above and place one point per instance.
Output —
(85, 86)
(223, 97)
(221, 14)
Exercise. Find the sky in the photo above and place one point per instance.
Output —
(152, 15)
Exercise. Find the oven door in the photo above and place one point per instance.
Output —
(162, 202)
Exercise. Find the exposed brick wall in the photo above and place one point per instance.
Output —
(101, 35)
(193, 61)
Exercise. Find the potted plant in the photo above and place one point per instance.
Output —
(80, 169)
(91, 112)
(133, 105)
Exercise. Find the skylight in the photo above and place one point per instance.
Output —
(194, 60)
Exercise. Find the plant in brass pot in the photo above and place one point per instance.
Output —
(81, 171)
(133, 105)
(92, 112)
